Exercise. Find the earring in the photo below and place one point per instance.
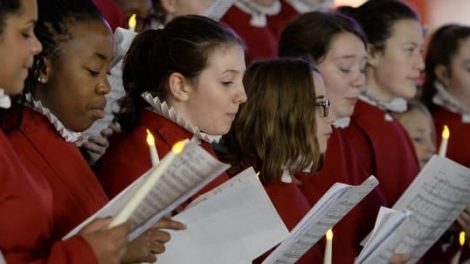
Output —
(41, 80)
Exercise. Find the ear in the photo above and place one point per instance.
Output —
(442, 74)
(373, 55)
(178, 86)
(45, 71)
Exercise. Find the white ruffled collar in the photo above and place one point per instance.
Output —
(68, 135)
(342, 122)
(397, 104)
(304, 6)
(169, 112)
(258, 13)
(5, 101)
(444, 99)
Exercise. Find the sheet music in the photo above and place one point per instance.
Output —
(388, 220)
(187, 174)
(328, 211)
(236, 223)
(218, 9)
(435, 199)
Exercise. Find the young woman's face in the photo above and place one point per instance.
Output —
(194, 7)
(421, 131)
(343, 72)
(396, 70)
(77, 80)
(18, 45)
(215, 96)
(324, 117)
(457, 78)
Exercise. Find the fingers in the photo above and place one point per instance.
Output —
(168, 223)
(157, 247)
(399, 258)
(96, 225)
(115, 127)
(107, 132)
(464, 220)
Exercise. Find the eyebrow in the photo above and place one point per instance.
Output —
(100, 56)
(320, 97)
(350, 57)
(231, 71)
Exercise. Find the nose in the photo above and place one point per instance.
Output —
(240, 96)
(36, 46)
(420, 65)
(359, 81)
(103, 86)
(431, 148)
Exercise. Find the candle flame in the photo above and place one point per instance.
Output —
(445, 132)
(329, 234)
(178, 147)
(462, 238)
(132, 21)
(150, 138)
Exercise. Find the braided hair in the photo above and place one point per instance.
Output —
(52, 28)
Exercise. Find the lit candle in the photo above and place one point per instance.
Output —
(132, 22)
(152, 148)
(444, 141)
(147, 185)
(456, 258)
(328, 247)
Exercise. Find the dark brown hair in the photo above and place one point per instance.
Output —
(183, 46)
(311, 34)
(377, 18)
(443, 46)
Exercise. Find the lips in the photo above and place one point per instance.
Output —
(98, 110)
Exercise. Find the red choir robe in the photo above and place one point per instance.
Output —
(260, 42)
(342, 165)
(128, 156)
(292, 206)
(458, 148)
(76, 191)
(394, 160)
(26, 217)
(278, 22)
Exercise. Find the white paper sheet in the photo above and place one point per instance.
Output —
(186, 175)
(328, 211)
(435, 199)
(232, 224)
(388, 220)
(2, 259)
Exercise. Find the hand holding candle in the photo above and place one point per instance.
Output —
(152, 148)
(444, 141)
(327, 257)
(147, 185)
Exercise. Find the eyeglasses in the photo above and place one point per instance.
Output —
(325, 106)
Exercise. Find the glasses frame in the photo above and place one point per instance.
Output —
(325, 106)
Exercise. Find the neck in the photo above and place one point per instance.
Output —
(377, 91)
(464, 100)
